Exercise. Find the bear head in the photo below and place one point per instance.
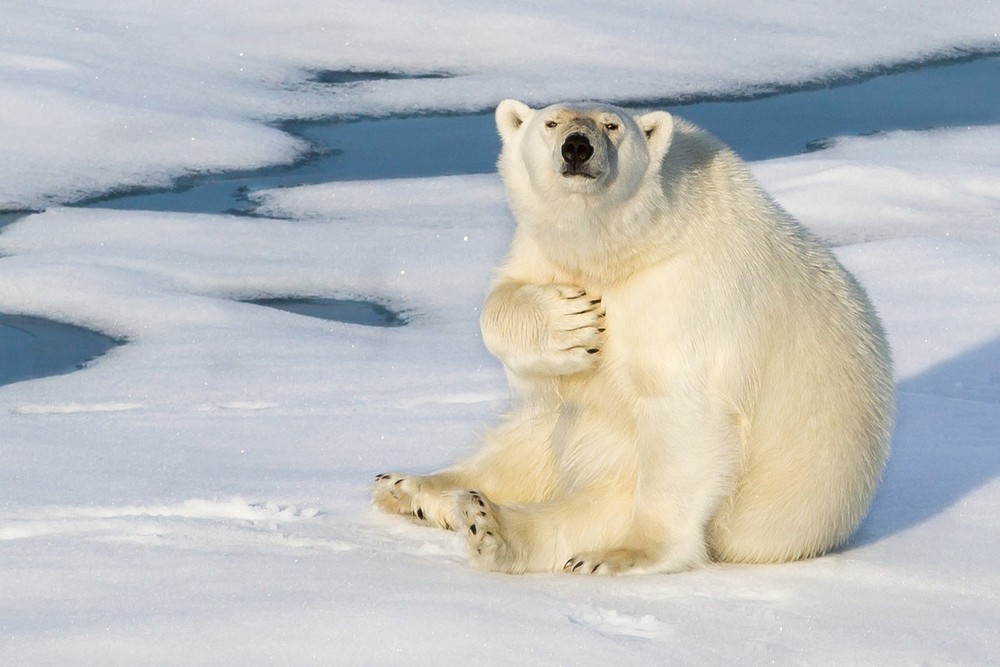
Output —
(594, 151)
(584, 182)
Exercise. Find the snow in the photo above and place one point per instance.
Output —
(124, 93)
(200, 495)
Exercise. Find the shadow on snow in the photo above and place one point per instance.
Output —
(946, 444)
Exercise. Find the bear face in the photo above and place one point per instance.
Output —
(584, 182)
(599, 152)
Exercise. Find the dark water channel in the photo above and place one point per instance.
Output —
(774, 125)
(32, 347)
(786, 122)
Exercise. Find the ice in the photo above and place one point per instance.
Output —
(217, 410)
(904, 184)
(199, 495)
(59, 147)
(126, 94)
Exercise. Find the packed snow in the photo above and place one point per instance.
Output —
(199, 495)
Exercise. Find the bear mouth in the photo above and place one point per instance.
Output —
(571, 171)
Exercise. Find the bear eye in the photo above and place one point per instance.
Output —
(550, 124)
(611, 127)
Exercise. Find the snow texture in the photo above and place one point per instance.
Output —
(199, 495)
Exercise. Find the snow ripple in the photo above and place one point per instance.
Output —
(190, 523)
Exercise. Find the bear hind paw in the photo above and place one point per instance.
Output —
(612, 561)
(408, 496)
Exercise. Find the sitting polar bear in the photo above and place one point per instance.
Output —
(696, 377)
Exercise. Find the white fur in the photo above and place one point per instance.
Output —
(695, 376)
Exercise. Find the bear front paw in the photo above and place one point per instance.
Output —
(577, 319)
(548, 330)
(575, 332)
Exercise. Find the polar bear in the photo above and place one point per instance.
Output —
(696, 378)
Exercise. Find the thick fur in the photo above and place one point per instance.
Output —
(695, 376)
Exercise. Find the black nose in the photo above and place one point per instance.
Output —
(576, 149)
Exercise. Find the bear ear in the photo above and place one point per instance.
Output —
(658, 126)
(511, 115)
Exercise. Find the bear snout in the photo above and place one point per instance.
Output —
(576, 150)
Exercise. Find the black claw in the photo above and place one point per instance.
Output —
(447, 526)
(567, 563)
(420, 513)
(595, 568)
(601, 330)
(472, 529)
(593, 350)
(594, 302)
(398, 482)
(578, 566)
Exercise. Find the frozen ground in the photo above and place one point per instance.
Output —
(133, 92)
(199, 496)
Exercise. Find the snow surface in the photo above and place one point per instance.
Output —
(117, 93)
(200, 495)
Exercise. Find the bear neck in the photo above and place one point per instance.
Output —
(599, 242)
